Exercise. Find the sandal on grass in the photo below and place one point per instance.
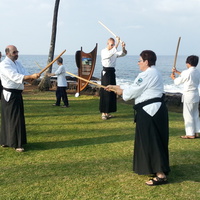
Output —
(157, 181)
(104, 117)
(109, 116)
(187, 137)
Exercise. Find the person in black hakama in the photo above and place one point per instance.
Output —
(13, 75)
(109, 56)
(107, 99)
(152, 130)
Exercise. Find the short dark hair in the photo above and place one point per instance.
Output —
(60, 60)
(150, 56)
(7, 50)
(192, 60)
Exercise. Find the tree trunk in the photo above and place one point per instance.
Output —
(45, 82)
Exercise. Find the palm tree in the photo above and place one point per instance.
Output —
(45, 82)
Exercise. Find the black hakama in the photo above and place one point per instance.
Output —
(13, 130)
(108, 100)
(151, 142)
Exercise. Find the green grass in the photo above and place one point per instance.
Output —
(73, 154)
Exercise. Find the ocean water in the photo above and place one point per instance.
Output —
(126, 69)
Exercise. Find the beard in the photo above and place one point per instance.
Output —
(15, 57)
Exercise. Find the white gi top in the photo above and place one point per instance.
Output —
(108, 57)
(147, 85)
(12, 74)
(61, 79)
(191, 80)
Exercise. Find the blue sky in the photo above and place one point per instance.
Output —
(142, 24)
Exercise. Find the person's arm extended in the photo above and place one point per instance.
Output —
(31, 77)
(50, 74)
(174, 70)
(117, 89)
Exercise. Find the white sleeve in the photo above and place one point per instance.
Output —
(137, 88)
(120, 54)
(182, 78)
(59, 70)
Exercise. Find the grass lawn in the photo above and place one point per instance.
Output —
(73, 154)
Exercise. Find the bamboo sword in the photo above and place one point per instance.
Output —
(51, 63)
(175, 58)
(109, 30)
(102, 86)
(38, 65)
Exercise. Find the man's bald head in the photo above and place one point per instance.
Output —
(110, 43)
(12, 52)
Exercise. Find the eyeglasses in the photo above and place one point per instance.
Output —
(14, 52)
(112, 45)
(140, 60)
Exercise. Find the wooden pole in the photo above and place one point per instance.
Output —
(102, 86)
(51, 63)
(175, 58)
(109, 30)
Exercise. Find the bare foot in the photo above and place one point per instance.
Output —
(187, 137)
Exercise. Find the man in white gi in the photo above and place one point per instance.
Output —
(109, 56)
(190, 78)
(13, 75)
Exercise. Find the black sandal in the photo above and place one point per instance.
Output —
(157, 181)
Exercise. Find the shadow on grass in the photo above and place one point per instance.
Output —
(79, 142)
(179, 173)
